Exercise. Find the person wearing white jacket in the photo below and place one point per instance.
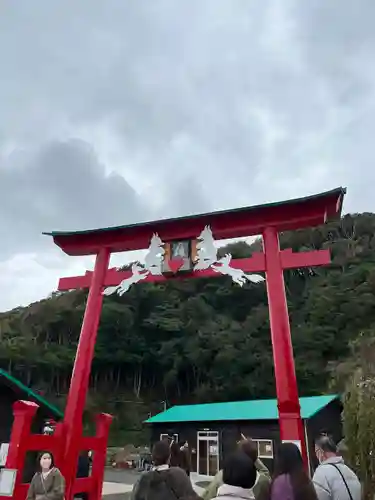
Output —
(333, 479)
(239, 476)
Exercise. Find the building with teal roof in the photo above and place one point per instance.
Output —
(213, 429)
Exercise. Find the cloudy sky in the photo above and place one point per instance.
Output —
(119, 111)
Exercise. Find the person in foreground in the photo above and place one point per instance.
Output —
(48, 483)
(290, 481)
(239, 476)
(163, 482)
(262, 481)
(333, 480)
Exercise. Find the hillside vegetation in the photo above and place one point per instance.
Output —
(202, 339)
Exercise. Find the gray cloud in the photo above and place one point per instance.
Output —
(63, 186)
(203, 71)
(115, 112)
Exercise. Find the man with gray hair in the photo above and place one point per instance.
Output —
(333, 479)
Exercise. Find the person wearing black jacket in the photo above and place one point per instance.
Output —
(83, 470)
(163, 481)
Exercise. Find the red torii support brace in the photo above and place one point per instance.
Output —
(272, 261)
(255, 263)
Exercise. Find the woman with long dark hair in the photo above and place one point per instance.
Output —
(48, 483)
(290, 481)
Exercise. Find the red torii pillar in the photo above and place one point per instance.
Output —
(79, 385)
(291, 425)
(268, 220)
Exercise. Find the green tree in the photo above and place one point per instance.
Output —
(359, 411)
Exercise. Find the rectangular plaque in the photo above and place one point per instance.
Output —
(7, 482)
(178, 250)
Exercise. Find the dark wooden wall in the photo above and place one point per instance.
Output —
(229, 434)
(264, 429)
(186, 432)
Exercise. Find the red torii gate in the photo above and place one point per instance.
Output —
(268, 220)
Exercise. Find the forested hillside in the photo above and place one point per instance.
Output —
(202, 340)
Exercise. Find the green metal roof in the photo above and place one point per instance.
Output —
(265, 409)
(30, 393)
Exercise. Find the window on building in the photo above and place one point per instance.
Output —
(265, 448)
(208, 434)
(169, 437)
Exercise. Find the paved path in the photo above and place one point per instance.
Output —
(118, 483)
(124, 476)
(116, 488)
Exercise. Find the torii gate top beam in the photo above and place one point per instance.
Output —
(284, 216)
